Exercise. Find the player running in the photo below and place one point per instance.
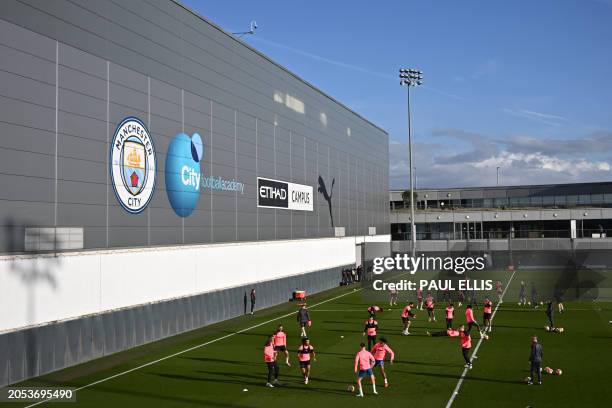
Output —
(372, 310)
(419, 298)
(371, 326)
(280, 343)
(393, 297)
(469, 318)
(488, 313)
(559, 299)
(430, 304)
(407, 315)
(305, 352)
(450, 314)
(499, 289)
(461, 298)
(522, 294)
(363, 367)
(303, 319)
(270, 360)
(466, 345)
(379, 351)
(534, 295)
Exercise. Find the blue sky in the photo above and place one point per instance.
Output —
(525, 85)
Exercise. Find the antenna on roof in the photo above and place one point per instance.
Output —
(252, 29)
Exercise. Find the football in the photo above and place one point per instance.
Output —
(350, 388)
(548, 370)
(558, 371)
(560, 329)
(547, 328)
(527, 379)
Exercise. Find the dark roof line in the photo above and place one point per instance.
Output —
(198, 15)
(507, 187)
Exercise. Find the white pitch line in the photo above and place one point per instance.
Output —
(193, 348)
(465, 370)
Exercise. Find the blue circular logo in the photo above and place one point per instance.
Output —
(183, 174)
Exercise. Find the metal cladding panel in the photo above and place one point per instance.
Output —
(95, 63)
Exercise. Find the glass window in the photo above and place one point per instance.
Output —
(501, 202)
(548, 201)
(488, 203)
(572, 200)
(514, 201)
(608, 198)
(597, 198)
(560, 200)
(536, 201)
(524, 201)
(584, 199)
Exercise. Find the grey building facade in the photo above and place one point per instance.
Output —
(82, 213)
(72, 71)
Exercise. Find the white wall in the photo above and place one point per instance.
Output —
(41, 289)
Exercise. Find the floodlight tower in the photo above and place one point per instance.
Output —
(411, 77)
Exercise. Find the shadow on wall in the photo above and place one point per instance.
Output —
(34, 271)
(327, 196)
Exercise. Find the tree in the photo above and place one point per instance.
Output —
(406, 198)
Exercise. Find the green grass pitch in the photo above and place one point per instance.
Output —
(425, 373)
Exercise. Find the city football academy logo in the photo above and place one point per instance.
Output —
(183, 174)
(132, 161)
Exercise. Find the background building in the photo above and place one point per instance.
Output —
(550, 226)
(87, 271)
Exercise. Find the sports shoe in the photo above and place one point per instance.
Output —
(275, 382)
(359, 395)
(269, 385)
(386, 385)
(375, 393)
(288, 363)
(306, 380)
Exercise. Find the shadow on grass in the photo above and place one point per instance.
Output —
(220, 360)
(458, 376)
(254, 380)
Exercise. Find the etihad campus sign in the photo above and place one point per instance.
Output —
(281, 194)
(132, 165)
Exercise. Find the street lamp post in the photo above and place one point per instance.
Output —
(498, 175)
(411, 77)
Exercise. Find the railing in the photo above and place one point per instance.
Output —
(504, 234)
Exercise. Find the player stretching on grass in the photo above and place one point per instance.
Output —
(430, 304)
(407, 314)
(372, 310)
(488, 312)
(280, 343)
(450, 313)
(270, 360)
(370, 328)
(466, 345)
(304, 353)
(363, 367)
(303, 320)
(379, 351)
(469, 318)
